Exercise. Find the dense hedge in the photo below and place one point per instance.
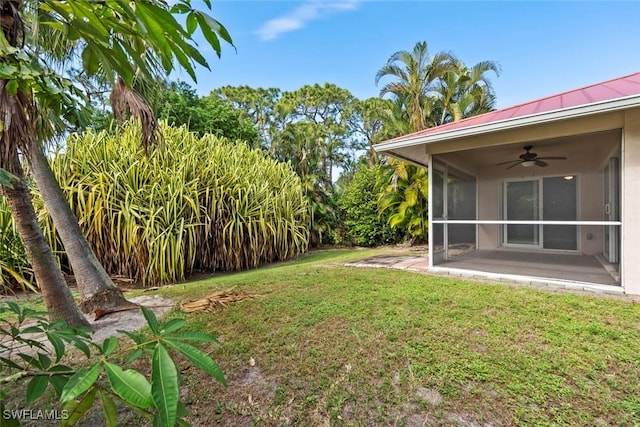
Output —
(358, 205)
(190, 204)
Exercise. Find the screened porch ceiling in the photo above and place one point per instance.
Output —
(586, 152)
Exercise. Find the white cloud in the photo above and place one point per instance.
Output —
(302, 15)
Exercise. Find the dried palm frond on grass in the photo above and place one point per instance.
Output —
(215, 300)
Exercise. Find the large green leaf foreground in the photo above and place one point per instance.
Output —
(192, 203)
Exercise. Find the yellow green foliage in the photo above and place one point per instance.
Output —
(192, 203)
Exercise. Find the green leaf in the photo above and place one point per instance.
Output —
(183, 60)
(8, 71)
(164, 385)
(36, 387)
(10, 363)
(411, 196)
(180, 8)
(7, 179)
(44, 360)
(77, 408)
(80, 382)
(136, 338)
(60, 368)
(134, 355)
(131, 386)
(80, 345)
(57, 344)
(89, 61)
(192, 23)
(182, 411)
(58, 382)
(12, 87)
(108, 345)
(109, 408)
(162, 29)
(395, 220)
(199, 359)
(173, 325)
(205, 22)
(29, 359)
(152, 321)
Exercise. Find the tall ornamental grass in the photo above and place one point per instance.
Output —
(190, 204)
(14, 269)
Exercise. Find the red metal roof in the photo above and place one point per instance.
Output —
(620, 87)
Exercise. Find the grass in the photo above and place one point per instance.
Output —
(331, 345)
(352, 346)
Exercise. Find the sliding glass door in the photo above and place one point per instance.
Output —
(560, 204)
(522, 203)
(549, 199)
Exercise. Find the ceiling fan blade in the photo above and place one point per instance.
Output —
(515, 164)
(541, 163)
(510, 161)
(552, 158)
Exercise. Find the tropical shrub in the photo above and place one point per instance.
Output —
(190, 204)
(405, 199)
(358, 205)
(14, 268)
(42, 364)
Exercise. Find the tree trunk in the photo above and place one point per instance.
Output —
(97, 290)
(372, 154)
(56, 293)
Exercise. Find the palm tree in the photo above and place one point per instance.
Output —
(416, 78)
(427, 91)
(464, 92)
(118, 40)
(415, 75)
(396, 120)
(18, 136)
(405, 199)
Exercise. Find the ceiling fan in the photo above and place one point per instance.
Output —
(529, 159)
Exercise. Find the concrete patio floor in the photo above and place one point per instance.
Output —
(570, 267)
(568, 271)
(402, 262)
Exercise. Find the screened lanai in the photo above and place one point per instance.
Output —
(541, 192)
(558, 219)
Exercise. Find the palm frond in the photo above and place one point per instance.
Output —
(126, 101)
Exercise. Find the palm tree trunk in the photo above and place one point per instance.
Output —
(97, 290)
(56, 293)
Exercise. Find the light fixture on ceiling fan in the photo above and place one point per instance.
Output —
(529, 159)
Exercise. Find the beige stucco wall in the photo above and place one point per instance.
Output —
(631, 203)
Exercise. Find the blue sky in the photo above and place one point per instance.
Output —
(542, 47)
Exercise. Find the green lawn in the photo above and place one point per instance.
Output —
(354, 346)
